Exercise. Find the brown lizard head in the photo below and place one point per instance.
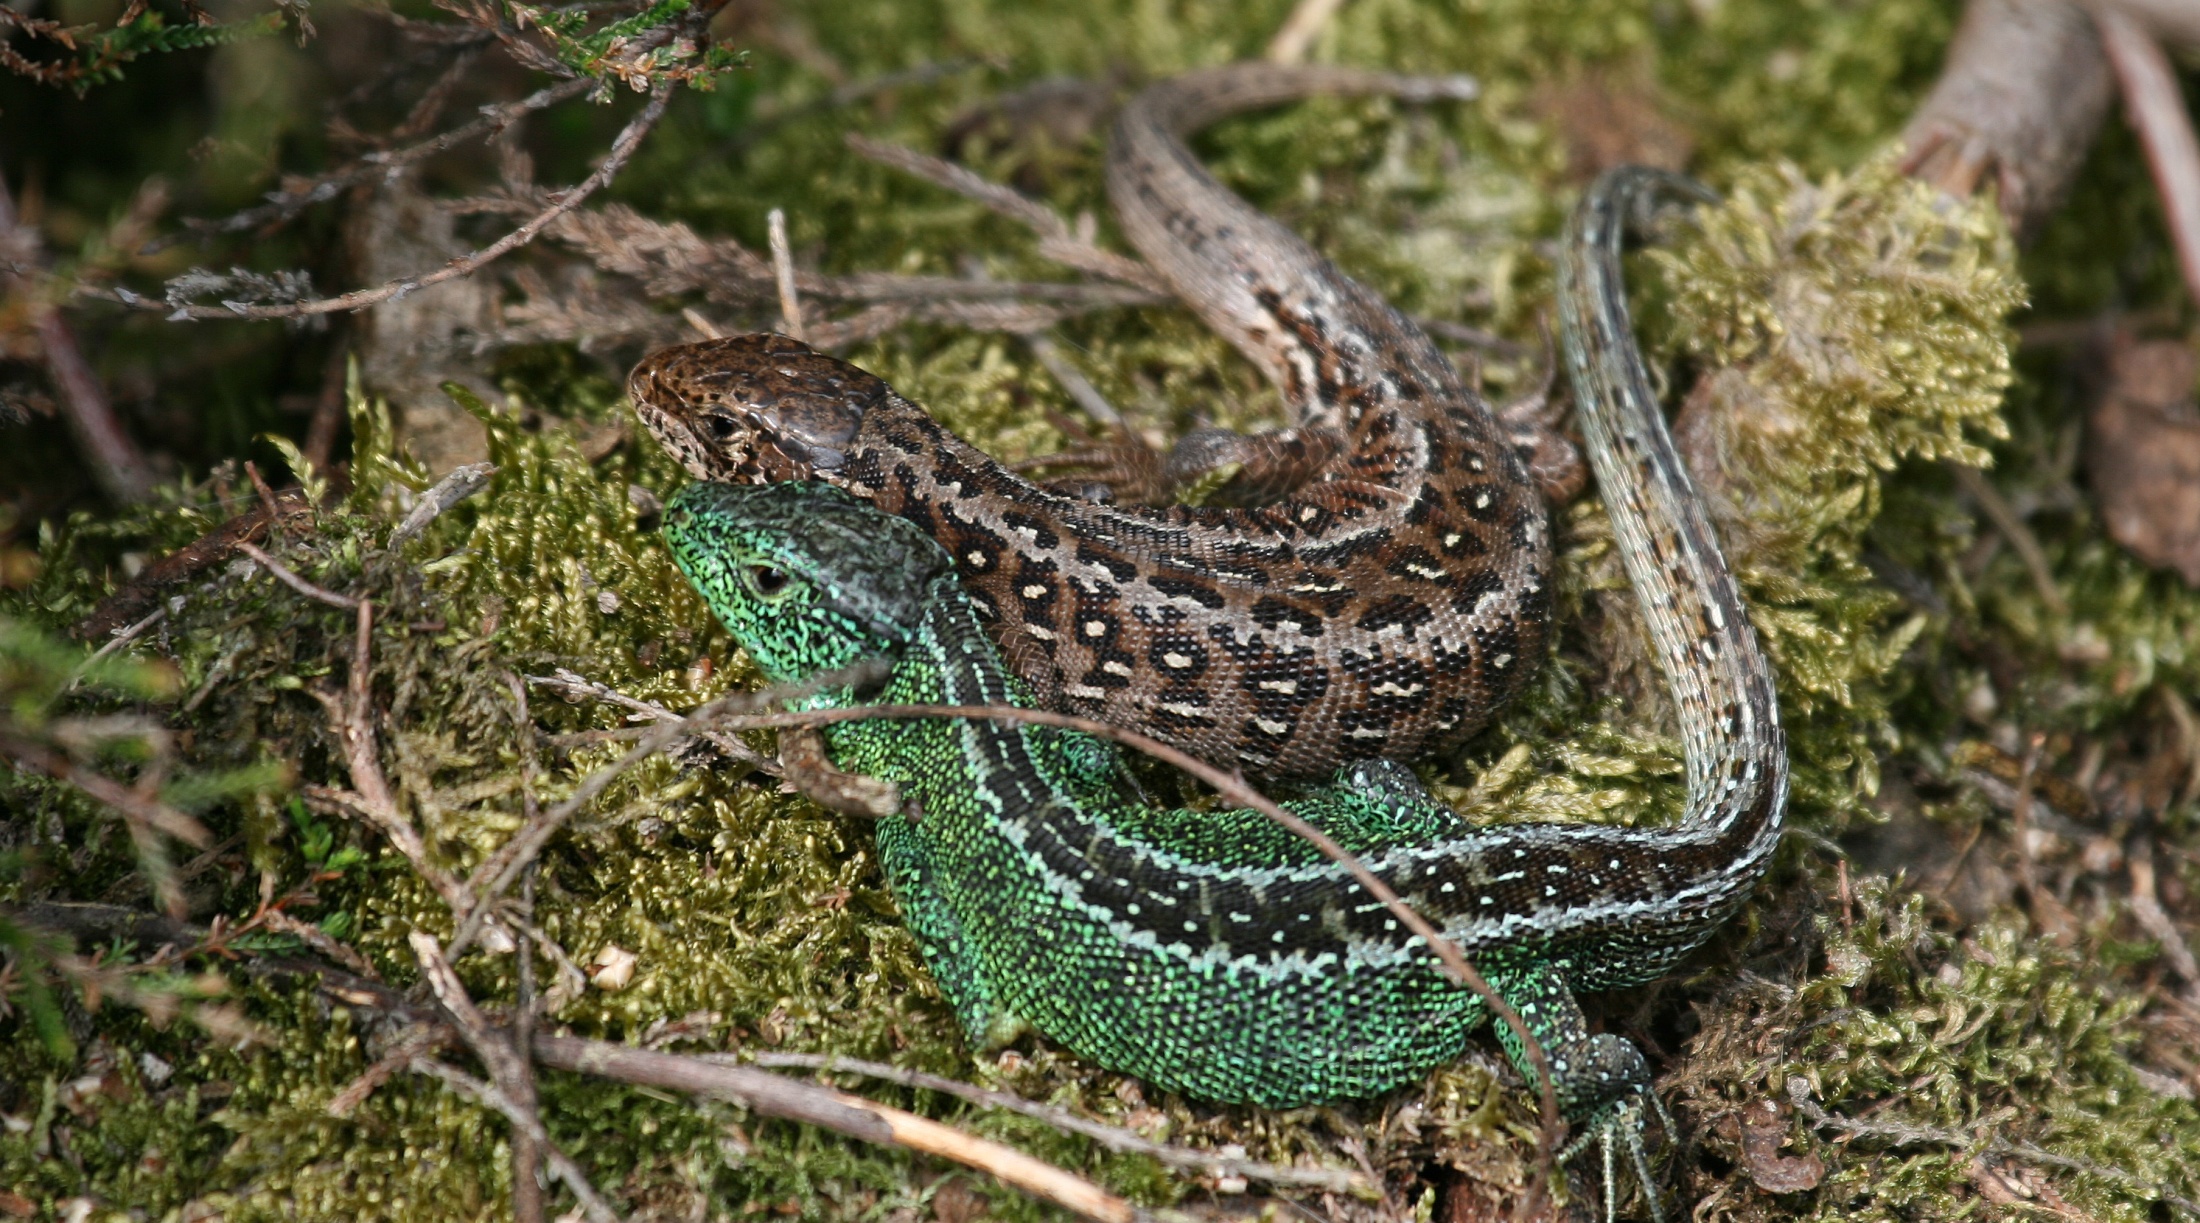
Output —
(753, 408)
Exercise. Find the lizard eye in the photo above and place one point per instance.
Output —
(767, 582)
(720, 424)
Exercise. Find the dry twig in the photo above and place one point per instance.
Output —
(510, 1069)
(790, 303)
(564, 202)
(778, 1096)
(2157, 111)
(1114, 1138)
(284, 204)
(2011, 525)
(116, 461)
(351, 718)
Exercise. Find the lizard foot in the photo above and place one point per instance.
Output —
(1619, 1128)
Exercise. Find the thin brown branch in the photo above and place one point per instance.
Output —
(2147, 910)
(329, 405)
(790, 302)
(622, 148)
(121, 638)
(510, 1067)
(1295, 37)
(289, 577)
(778, 1096)
(116, 462)
(1114, 1138)
(146, 591)
(290, 201)
(567, 682)
(1073, 380)
(143, 814)
(2011, 525)
(525, 1121)
(418, 1041)
(527, 1154)
(1057, 241)
(2157, 111)
(351, 718)
(139, 808)
(762, 1091)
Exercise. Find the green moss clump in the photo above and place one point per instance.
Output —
(1947, 1053)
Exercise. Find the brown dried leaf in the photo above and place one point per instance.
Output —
(1764, 1126)
(2144, 454)
(1606, 122)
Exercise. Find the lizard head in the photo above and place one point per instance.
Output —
(753, 408)
(805, 577)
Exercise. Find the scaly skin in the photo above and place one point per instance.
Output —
(1389, 602)
(1210, 952)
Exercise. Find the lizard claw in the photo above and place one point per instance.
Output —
(1619, 1127)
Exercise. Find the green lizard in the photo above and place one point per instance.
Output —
(1212, 952)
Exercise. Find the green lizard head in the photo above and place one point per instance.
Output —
(805, 577)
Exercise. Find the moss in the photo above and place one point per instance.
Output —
(1998, 1035)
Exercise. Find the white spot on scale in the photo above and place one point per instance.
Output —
(1269, 727)
(1176, 660)
(1096, 628)
(1113, 667)
(1035, 591)
(1482, 502)
(977, 559)
(1284, 686)
(1043, 634)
